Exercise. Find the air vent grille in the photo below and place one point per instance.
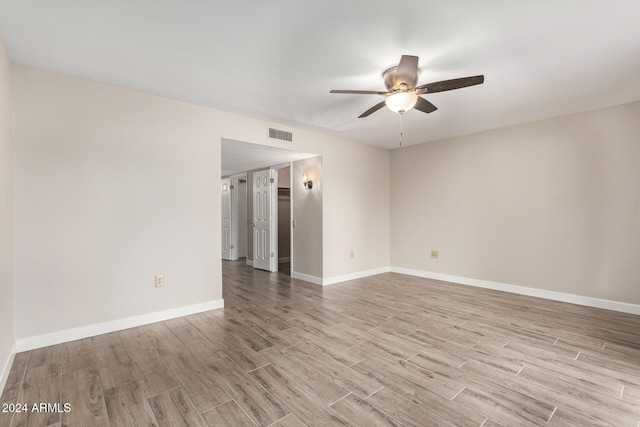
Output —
(282, 135)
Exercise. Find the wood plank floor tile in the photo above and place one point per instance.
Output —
(308, 377)
(289, 421)
(502, 394)
(174, 409)
(266, 331)
(491, 423)
(151, 370)
(363, 413)
(255, 401)
(387, 349)
(459, 352)
(400, 346)
(133, 337)
(331, 368)
(504, 414)
(6, 417)
(196, 381)
(587, 401)
(41, 384)
(220, 340)
(246, 336)
(201, 346)
(417, 386)
(227, 414)
(631, 395)
(113, 363)
(104, 338)
(626, 372)
(163, 338)
(127, 406)
(306, 406)
(408, 413)
(549, 373)
(45, 356)
(83, 388)
(14, 380)
(567, 417)
(369, 350)
(78, 355)
(333, 342)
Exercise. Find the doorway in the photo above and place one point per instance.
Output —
(284, 220)
(238, 158)
(234, 217)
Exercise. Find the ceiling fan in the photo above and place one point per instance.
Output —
(402, 92)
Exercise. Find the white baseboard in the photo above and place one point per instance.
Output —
(307, 278)
(4, 373)
(523, 290)
(284, 259)
(338, 279)
(31, 343)
(250, 262)
(353, 276)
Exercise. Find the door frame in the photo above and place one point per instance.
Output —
(227, 233)
(238, 221)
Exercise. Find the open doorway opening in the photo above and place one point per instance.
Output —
(284, 220)
(244, 164)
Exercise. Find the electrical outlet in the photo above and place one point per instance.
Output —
(159, 281)
(352, 254)
(435, 254)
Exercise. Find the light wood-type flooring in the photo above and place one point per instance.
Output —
(388, 350)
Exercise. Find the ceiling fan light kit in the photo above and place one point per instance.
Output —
(402, 93)
(401, 102)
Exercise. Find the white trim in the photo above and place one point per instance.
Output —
(353, 276)
(250, 262)
(307, 278)
(284, 259)
(523, 290)
(4, 374)
(31, 343)
(339, 279)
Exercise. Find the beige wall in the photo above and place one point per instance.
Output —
(308, 215)
(284, 177)
(355, 209)
(113, 186)
(6, 215)
(553, 205)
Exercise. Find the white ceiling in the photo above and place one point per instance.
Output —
(277, 60)
(239, 156)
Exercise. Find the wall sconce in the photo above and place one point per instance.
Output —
(308, 184)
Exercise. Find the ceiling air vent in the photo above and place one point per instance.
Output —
(282, 135)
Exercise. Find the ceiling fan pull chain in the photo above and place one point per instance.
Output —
(401, 127)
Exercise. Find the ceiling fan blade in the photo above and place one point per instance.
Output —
(407, 71)
(445, 85)
(424, 105)
(372, 109)
(360, 92)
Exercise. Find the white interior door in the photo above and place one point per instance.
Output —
(265, 219)
(226, 219)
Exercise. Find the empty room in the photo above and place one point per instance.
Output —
(412, 213)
